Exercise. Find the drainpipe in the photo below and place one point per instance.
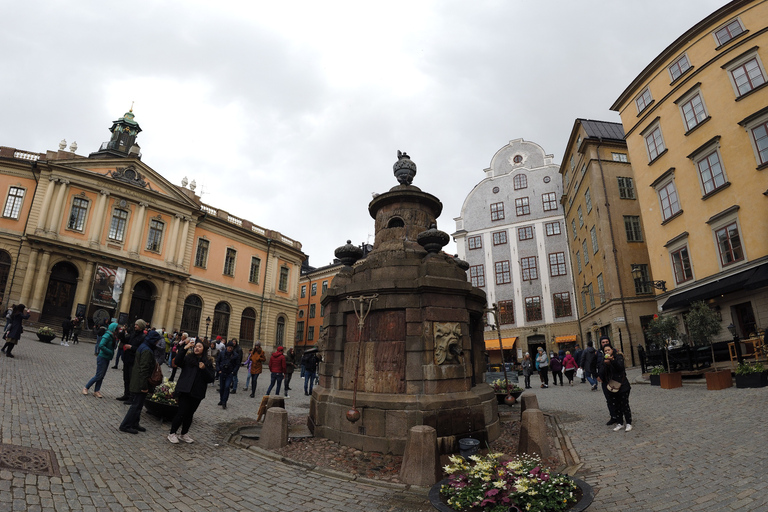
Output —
(613, 248)
(32, 167)
(264, 288)
(575, 298)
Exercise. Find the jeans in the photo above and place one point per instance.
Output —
(226, 383)
(276, 378)
(133, 415)
(287, 381)
(234, 380)
(247, 381)
(309, 378)
(102, 364)
(590, 378)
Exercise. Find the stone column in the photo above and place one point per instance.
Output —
(163, 303)
(97, 226)
(29, 277)
(40, 281)
(83, 286)
(172, 240)
(42, 217)
(136, 229)
(173, 306)
(125, 298)
(61, 196)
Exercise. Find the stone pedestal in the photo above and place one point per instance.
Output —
(421, 462)
(274, 433)
(533, 434)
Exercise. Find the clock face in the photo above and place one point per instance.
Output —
(547, 179)
(517, 159)
(495, 190)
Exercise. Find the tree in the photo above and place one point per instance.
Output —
(661, 330)
(703, 325)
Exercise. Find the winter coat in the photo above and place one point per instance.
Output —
(257, 357)
(555, 364)
(144, 364)
(542, 361)
(614, 370)
(569, 362)
(108, 342)
(589, 360)
(135, 340)
(277, 361)
(290, 361)
(309, 361)
(193, 380)
(15, 330)
(527, 367)
(226, 362)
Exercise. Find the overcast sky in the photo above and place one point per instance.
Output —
(290, 114)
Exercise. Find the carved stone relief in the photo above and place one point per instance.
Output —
(447, 342)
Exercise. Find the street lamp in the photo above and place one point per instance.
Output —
(207, 323)
(736, 342)
(637, 275)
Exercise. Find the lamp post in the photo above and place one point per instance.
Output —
(736, 342)
(207, 323)
(637, 275)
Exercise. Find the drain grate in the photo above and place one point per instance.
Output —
(28, 460)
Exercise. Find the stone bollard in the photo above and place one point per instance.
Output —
(421, 462)
(533, 434)
(528, 402)
(274, 433)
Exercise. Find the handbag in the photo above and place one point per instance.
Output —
(613, 386)
(579, 373)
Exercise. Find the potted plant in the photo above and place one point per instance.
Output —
(162, 403)
(655, 372)
(703, 325)
(751, 375)
(45, 334)
(502, 389)
(521, 483)
(662, 330)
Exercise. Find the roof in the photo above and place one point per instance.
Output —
(603, 129)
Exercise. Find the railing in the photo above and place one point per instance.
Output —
(207, 209)
(23, 155)
(257, 229)
(237, 221)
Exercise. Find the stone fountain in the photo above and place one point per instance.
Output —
(416, 357)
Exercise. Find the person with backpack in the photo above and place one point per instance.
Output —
(309, 361)
(556, 366)
(226, 364)
(143, 368)
(105, 350)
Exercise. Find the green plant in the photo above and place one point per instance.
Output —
(519, 484)
(500, 387)
(657, 370)
(46, 331)
(661, 330)
(164, 393)
(749, 368)
(703, 325)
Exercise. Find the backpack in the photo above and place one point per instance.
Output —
(555, 364)
(157, 376)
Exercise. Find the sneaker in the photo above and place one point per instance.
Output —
(97, 394)
(618, 427)
(594, 387)
(612, 422)
(286, 396)
(186, 438)
(66, 344)
(546, 385)
(629, 427)
(85, 391)
(173, 438)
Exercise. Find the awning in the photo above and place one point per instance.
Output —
(571, 338)
(750, 279)
(507, 343)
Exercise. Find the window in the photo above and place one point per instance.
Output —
(475, 242)
(497, 211)
(588, 200)
(301, 313)
(728, 32)
(760, 136)
(711, 172)
(591, 293)
(506, 312)
(680, 66)
(13, 203)
(562, 302)
(670, 204)
(300, 331)
(201, 256)
(312, 309)
(502, 272)
(626, 188)
(643, 100)
(654, 143)
(280, 332)
(324, 288)
(532, 309)
(681, 264)
(155, 238)
(303, 291)
(581, 217)
(619, 157)
(314, 289)
(643, 284)
(229, 262)
(578, 261)
(550, 201)
(583, 170)
(522, 207)
(593, 234)
(283, 283)
(584, 302)
(117, 226)
(77, 214)
(499, 238)
(729, 243)
(694, 112)
(632, 226)
(557, 264)
(573, 228)
(477, 276)
(311, 333)
(586, 253)
(529, 268)
(601, 288)
(525, 233)
(747, 76)
(520, 181)
(253, 275)
(553, 228)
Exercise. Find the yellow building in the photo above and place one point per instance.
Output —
(601, 213)
(313, 284)
(106, 236)
(696, 126)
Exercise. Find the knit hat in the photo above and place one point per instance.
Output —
(230, 344)
(280, 349)
(141, 324)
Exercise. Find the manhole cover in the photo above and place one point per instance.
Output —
(28, 460)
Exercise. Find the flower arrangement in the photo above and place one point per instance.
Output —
(46, 331)
(747, 368)
(519, 484)
(500, 386)
(164, 393)
(656, 370)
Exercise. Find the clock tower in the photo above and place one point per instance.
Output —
(123, 141)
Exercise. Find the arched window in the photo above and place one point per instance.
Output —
(190, 316)
(280, 332)
(396, 222)
(220, 320)
(520, 181)
(247, 325)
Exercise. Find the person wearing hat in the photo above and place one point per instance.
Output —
(142, 371)
(309, 361)
(527, 365)
(226, 364)
(542, 364)
(257, 358)
(129, 348)
(277, 367)
(106, 349)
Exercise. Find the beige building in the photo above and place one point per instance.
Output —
(106, 236)
(696, 126)
(605, 236)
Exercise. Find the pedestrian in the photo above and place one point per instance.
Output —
(614, 378)
(106, 349)
(197, 372)
(569, 364)
(143, 368)
(77, 328)
(179, 345)
(257, 358)
(220, 343)
(66, 329)
(239, 353)
(226, 364)
(16, 327)
(248, 369)
(8, 315)
(579, 357)
(609, 401)
(277, 368)
(556, 366)
(309, 360)
(589, 365)
(130, 346)
(542, 365)
(527, 365)
(122, 337)
(290, 365)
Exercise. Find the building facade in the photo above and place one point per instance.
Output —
(512, 233)
(696, 126)
(106, 236)
(605, 236)
(313, 284)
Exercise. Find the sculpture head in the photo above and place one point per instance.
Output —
(447, 342)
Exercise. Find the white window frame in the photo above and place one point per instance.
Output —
(662, 186)
(688, 99)
(674, 249)
(704, 154)
(620, 157)
(118, 236)
(156, 228)
(723, 221)
(593, 235)
(14, 202)
(659, 146)
(740, 62)
(80, 222)
(761, 120)
(727, 26)
(631, 188)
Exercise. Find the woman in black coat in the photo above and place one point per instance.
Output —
(13, 333)
(612, 371)
(197, 372)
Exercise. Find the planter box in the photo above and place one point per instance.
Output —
(163, 411)
(45, 338)
(655, 380)
(720, 379)
(671, 380)
(752, 380)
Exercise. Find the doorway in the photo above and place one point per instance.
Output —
(142, 303)
(744, 318)
(60, 294)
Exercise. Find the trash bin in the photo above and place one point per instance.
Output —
(468, 446)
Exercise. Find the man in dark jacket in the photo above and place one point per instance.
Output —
(129, 348)
(239, 354)
(226, 363)
(143, 367)
(309, 361)
(277, 367)
(589, 364)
